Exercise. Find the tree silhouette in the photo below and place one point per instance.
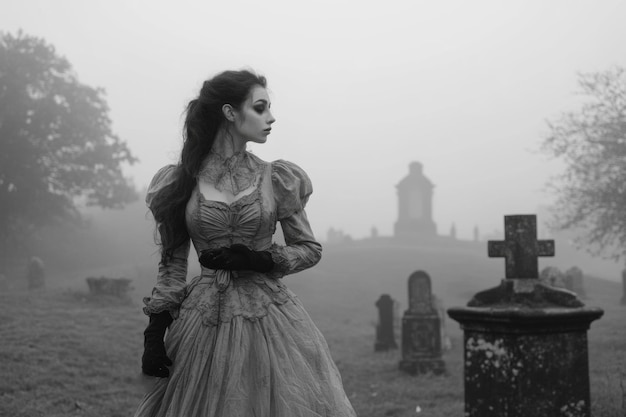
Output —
(57, 148)
(591, 193)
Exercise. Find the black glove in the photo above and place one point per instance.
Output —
(154, 361)
(236, 258)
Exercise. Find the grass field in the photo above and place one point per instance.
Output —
(69, 354)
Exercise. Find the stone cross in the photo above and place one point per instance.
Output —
(520, 247)
(525, 350)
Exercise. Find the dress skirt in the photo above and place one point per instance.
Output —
(274, 364)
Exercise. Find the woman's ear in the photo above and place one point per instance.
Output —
(229, 112)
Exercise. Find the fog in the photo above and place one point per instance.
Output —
(359, 90)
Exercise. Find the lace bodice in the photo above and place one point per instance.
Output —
(247, 220)
(280, 196)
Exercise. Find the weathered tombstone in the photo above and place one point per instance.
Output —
(397, 316)
(35, 274)
(574, 281)
(385, 338)
(525, 342)
(421, 329)
(118, 287)
(446, 343)
(623, 302)
(551, 275)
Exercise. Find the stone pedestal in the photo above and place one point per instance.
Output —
(526, 351)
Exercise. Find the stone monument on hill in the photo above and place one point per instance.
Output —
(415, 202)
(525, 341)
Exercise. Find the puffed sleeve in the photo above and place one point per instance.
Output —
(171, 282)
(164, 177)
(292, 189)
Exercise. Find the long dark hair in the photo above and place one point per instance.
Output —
(204, 117)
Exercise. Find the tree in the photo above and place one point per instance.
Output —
(57, 148)
(591, 193)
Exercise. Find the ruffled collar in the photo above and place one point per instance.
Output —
(235, 173)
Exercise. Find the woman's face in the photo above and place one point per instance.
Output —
(253, 122)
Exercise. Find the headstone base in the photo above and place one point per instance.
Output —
(384, 346)
(421, 344)
(423, 366)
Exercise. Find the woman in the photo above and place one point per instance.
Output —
(239, 342)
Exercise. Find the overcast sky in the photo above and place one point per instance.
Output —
(359, 89)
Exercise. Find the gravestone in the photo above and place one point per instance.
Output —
(385, 338)
(623, 302)
(35, 274)
(421, 329)
(525, 350)
(446, 342)
(574, 281)
(397, 315)
(118, 287)
(551, 275)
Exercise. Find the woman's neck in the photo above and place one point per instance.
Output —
(226, 144)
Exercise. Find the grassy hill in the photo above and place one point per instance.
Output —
(69, 354)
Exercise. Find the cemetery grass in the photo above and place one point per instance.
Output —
(67, 353)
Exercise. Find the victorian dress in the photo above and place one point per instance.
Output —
(241, 343)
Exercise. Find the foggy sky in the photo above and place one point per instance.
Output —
(359, 89)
